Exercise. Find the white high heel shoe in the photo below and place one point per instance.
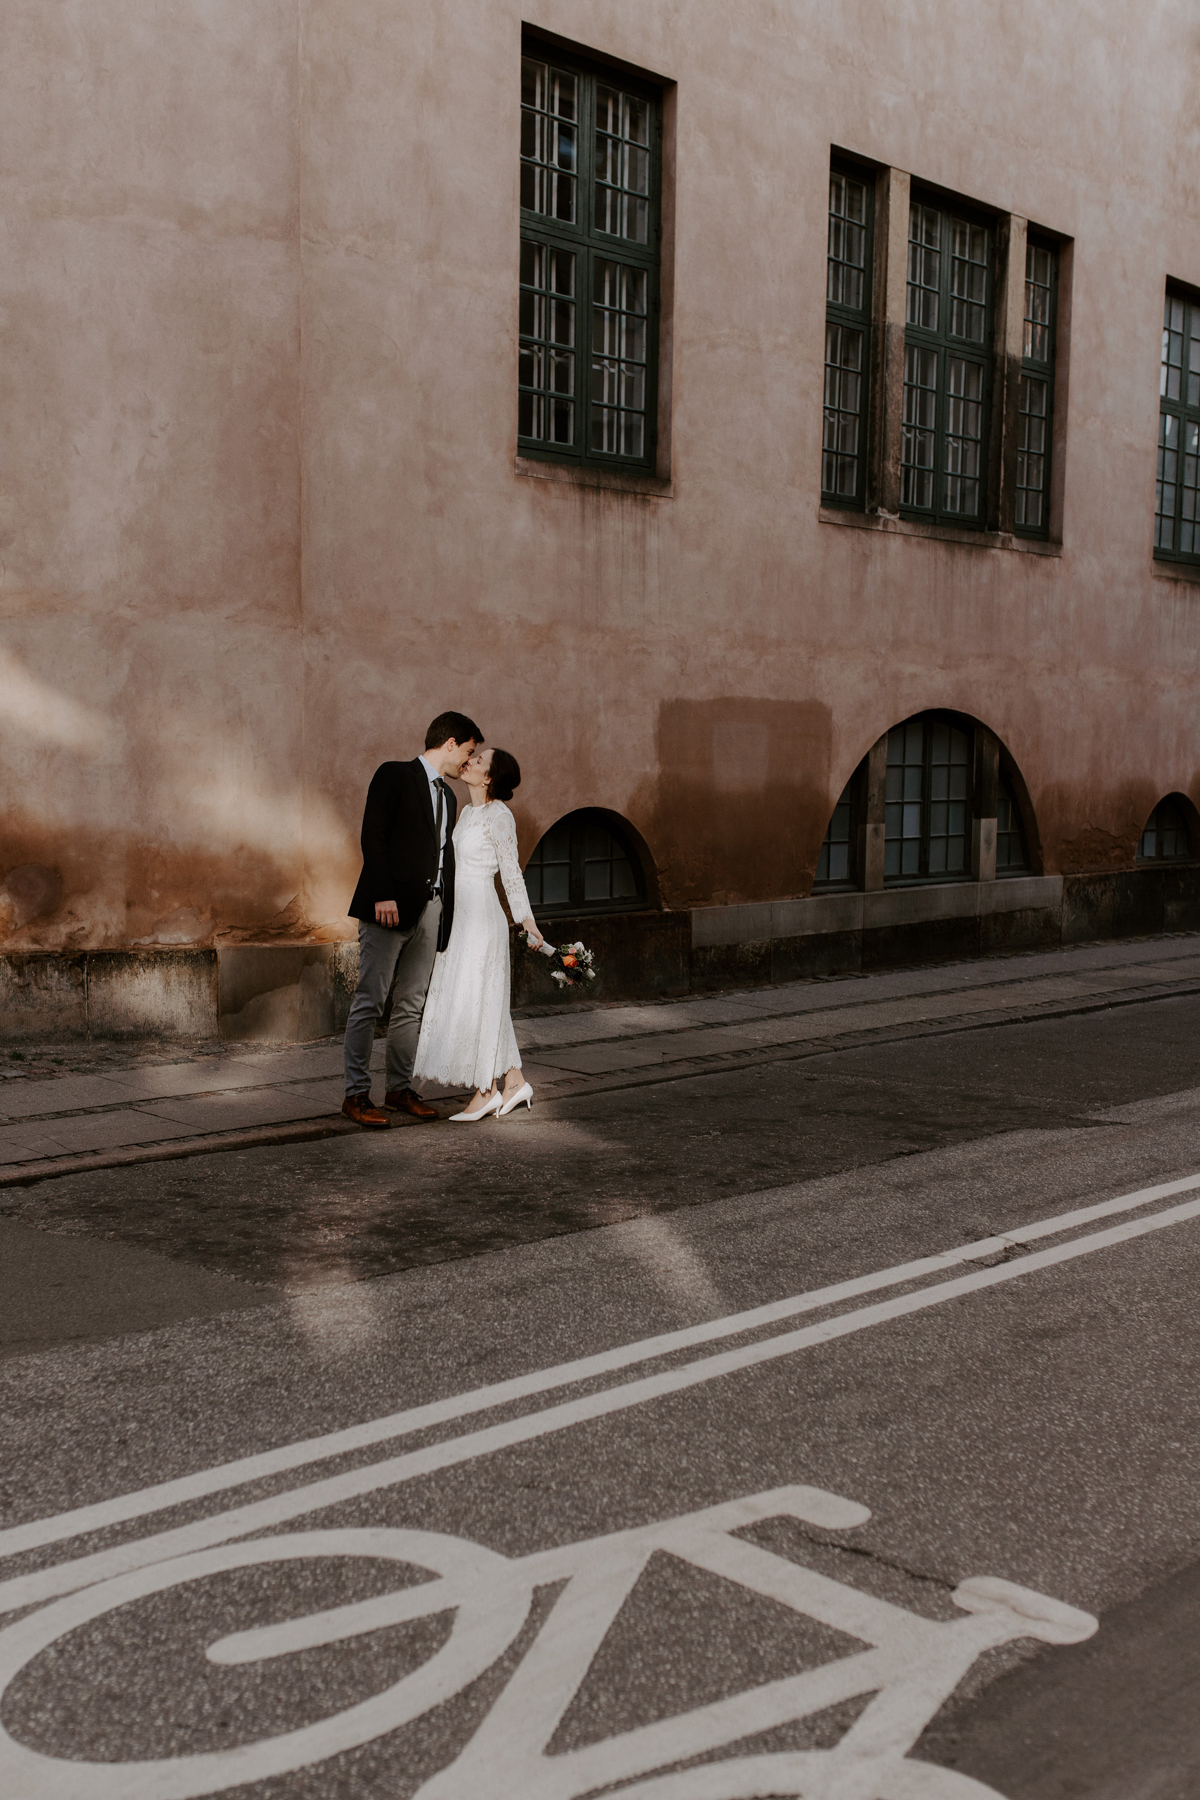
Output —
(522, 1094)
(492, 1104)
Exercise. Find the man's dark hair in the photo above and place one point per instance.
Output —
(452, 725)
(504, 775)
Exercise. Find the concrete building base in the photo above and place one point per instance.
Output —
(266, 993)
(280, 993)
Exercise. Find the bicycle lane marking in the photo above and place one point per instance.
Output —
(262, 1515)
(903, 1663)
(187, 1488)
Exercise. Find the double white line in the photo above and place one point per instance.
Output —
(276, 1509)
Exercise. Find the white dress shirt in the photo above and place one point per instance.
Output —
(434, 777)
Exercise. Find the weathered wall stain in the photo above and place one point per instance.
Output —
(740, 801)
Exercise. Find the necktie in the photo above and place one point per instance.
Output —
(439, 818)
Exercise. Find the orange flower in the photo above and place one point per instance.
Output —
(568, 962)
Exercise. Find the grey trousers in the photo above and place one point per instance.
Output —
(398, 963)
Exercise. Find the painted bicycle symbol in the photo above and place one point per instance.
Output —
(909, 1665)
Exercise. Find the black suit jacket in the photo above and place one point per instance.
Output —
(400, 847)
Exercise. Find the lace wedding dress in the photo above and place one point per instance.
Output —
(466, 1032)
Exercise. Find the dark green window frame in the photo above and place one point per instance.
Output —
(1177, 495)
(849, 267)
(1165, 835)
(1012, 852)
(929, 800)
(591, 240)
(585, 864)
(947, 363)
(1035, 398)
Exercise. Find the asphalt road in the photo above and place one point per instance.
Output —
(719, 1559)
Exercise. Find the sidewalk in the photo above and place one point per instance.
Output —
(137, 1108)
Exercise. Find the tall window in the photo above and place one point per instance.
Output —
(590, 252)
(927, 830)
(947, 350)
(1177, 514)
(847, 337)
(1166, 837)
(584, 865)
(1035, 400)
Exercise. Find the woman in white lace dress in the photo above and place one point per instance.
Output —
(466, 1030)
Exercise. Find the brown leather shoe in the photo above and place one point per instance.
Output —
(404, 1100)
(358, 1107)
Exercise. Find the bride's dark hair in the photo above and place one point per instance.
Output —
(504, 775)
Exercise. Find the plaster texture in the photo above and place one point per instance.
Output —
(261, 513)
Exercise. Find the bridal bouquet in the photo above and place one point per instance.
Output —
(574, 964)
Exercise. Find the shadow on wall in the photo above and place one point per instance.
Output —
(739, 811)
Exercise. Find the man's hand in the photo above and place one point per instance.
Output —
(387, 912)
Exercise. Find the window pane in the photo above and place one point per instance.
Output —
(833, 864)
(964, 436)
(548, 872)
(1166, 491)
(969, 259)
(1010, 841)
(1032, 405)
(847, 263)
(607, 872)
(546, 359)
(948, 769)
(924, 266)
(620, 297)
(1172, 350)
(1039, 267)
(549, 140)
(597, 881)
(1189, 517)
(920, 421)
(843, 410)
(903, 798)
(622, 171)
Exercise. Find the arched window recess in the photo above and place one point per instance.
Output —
(589, 862)
(1168, 834)
(951, 802)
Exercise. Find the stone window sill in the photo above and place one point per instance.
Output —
(943, 534)
(616, 481)
(1175, 571)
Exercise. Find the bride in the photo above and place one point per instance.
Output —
(466, 1031)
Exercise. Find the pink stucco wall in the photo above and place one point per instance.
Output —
(259, 512)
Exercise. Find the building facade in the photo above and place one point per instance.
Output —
(777, 425)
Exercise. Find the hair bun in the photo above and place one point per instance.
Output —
(504, 775)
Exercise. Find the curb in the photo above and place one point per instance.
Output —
(27, 1174)
(582, 1087)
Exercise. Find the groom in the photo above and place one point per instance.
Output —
(404, 904)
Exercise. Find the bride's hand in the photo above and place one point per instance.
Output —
(533, 936)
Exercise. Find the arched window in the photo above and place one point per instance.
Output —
(941, 772)
(1166, 837)
(584, 864)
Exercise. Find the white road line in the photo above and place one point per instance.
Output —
(262, 1515)
(185, 1488)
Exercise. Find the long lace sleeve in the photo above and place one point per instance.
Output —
(504, 842)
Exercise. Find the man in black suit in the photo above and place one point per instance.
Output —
(404, 904)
